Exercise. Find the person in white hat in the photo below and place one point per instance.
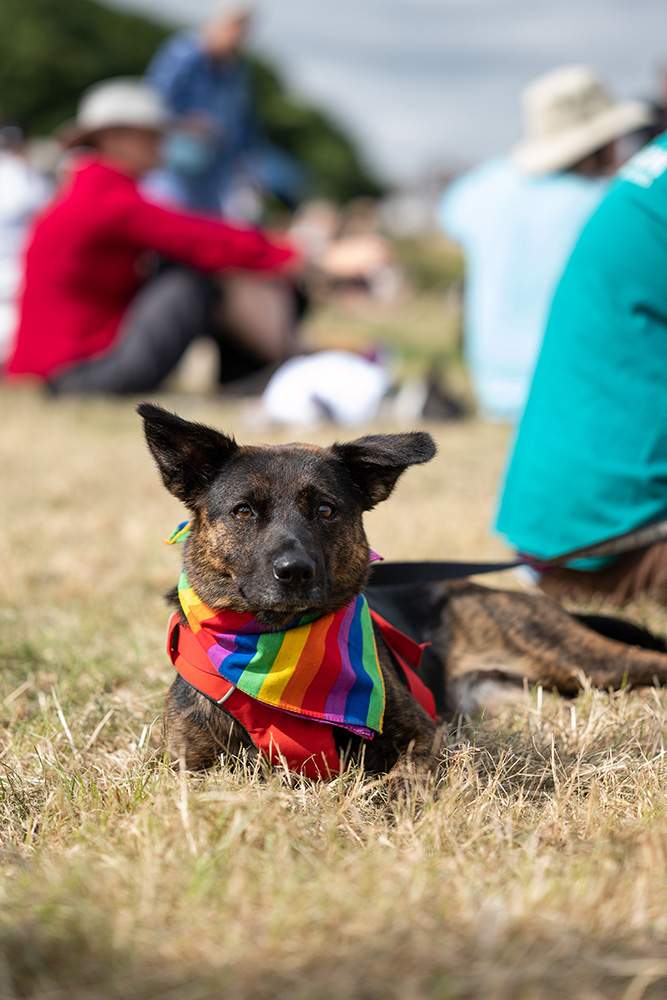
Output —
(93, 319)
(209, 90)
(517, 219)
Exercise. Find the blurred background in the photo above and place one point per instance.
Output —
(417, 87)
(374, 105)
(427, 85)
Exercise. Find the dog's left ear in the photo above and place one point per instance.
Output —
(188, 455)
(376, 461)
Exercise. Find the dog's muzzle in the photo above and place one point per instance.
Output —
(292, 570)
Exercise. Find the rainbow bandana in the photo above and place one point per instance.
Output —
(325, 668)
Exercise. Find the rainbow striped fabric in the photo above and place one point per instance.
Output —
(324, 667)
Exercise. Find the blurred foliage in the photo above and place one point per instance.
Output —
(312, 138)
(51, 50)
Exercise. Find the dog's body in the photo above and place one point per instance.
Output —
(278, 532)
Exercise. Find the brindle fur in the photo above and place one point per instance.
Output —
(485, 642)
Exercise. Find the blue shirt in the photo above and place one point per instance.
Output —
(517, 233)
(193, 82)
(590, 458)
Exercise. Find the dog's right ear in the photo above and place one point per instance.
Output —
(189, 456)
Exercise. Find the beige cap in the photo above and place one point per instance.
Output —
(124, 102)
(568, 114)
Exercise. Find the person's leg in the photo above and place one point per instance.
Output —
(642, 571)
(162, 321)
(257, 321)
(259, 314)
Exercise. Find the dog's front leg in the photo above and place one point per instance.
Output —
(410, 740)
(197, 732)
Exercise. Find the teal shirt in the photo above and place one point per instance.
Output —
(590, 455)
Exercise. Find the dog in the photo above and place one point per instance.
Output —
(276, 536)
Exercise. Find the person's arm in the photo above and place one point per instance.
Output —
(454, 210)
(171, 68)
(202, 243)
(472, 198)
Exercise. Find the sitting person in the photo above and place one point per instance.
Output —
(517, 220)
(590, 458)
(92, 317)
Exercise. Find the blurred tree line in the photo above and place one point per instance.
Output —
(51, 50)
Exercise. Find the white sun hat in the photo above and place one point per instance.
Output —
(568, 114)
(123, 102)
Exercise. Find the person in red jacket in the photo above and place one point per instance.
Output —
(92, 318)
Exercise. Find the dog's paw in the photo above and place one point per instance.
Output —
(409, 786)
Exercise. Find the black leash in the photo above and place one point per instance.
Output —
(389, 574)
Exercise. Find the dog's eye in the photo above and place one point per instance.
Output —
(243, 511)
(324, 510)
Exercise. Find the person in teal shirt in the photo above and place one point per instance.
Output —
(590, 457)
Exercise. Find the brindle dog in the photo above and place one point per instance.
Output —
(278, 531)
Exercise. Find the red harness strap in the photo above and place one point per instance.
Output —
(303, 744)
(406, 652)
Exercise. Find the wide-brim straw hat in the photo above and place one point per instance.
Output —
(124, 102)
(569, 114)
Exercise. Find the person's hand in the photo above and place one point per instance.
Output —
(294, 264)
(197, 123)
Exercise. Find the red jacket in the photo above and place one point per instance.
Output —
(84, 264)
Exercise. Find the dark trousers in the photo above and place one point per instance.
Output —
(164, 318)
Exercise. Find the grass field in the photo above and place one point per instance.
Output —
(535, 868)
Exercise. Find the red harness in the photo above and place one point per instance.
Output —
(303, 744)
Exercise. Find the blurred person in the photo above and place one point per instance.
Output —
(91, 320)
(215, 155)
(518, 218)
(23, 190)
(590, 458)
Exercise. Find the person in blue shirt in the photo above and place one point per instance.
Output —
(517, 219)
(208, 89)
(590, 457)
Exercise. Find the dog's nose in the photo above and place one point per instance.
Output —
(294, 570)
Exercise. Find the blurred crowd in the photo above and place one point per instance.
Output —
(144, 239)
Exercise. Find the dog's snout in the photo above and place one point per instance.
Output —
(294, 570)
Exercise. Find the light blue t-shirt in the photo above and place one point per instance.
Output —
(517, 233)
(590, 458)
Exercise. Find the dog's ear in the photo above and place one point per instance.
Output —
(189, 456)
(376, 461)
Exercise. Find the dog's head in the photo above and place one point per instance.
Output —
(277, 530)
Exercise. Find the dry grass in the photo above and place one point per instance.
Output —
(536, 867)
